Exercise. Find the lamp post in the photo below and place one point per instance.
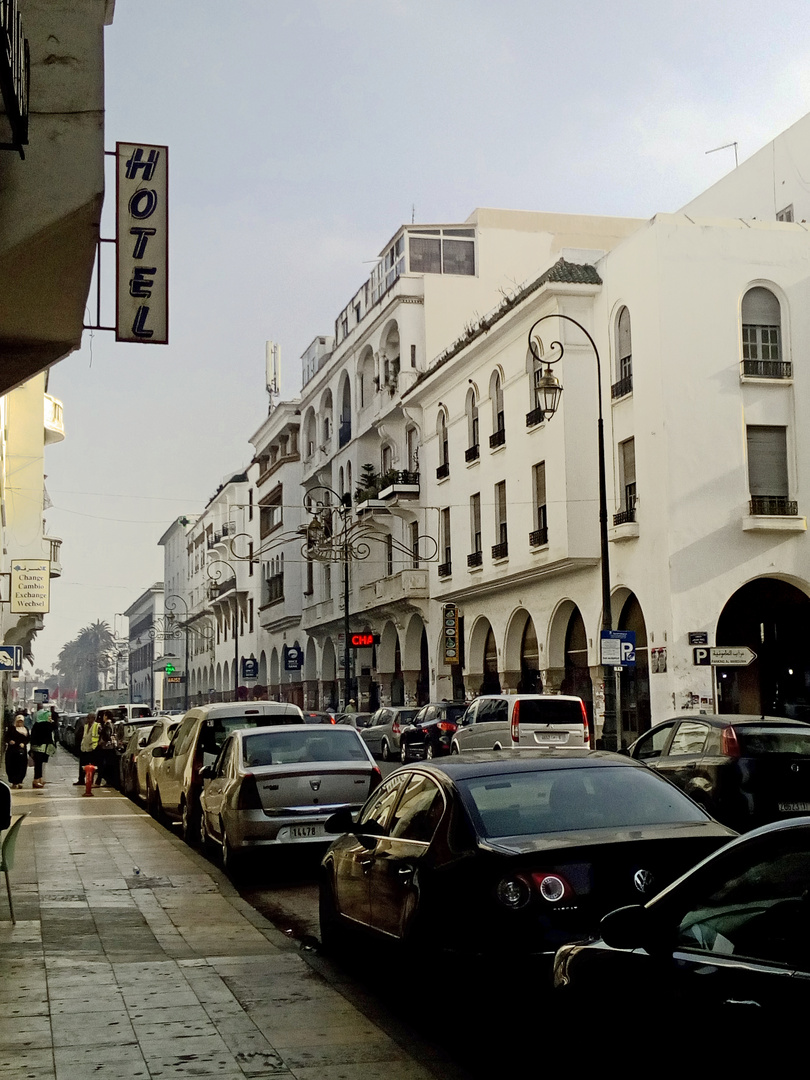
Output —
(215, 575)
(550, 390)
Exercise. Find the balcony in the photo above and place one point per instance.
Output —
(445, 569)
(408, 584)
(767, 369)
(474, 559)
(55, 555)
(443, 471)
(274, 589)
(400, 485)
(773, 513)
(54, 425)
(772, 505)
(500, 551)
(625, 517)
(497, 438)
(622, 388)
(472, 453)
(535, 417)
(538, 538)
(220, 588)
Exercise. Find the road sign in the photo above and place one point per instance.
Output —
(11, 657)
(618, 648)
(723, 656)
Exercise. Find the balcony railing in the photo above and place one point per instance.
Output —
(624, 517)
(400, 483)
(220, 588)
(538, 537)
(535, 417)
(472, 453)
(344, 432)
(443, 471)
(497, 438)
(622, 388)
(445, 569)
(773, 505)
(500, 551)
(768, 369)
(475, 558)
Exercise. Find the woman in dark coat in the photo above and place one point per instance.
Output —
(17, 740)
(43, 737)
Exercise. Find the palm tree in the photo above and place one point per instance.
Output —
(82, 660)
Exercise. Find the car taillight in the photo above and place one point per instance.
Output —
(586, 728)
(248, 794)
(376, 779)
(395, 729)
(333, 720)
(552, 887)
(730, 744)
(446, 725)
(514, 893)
(515, 726)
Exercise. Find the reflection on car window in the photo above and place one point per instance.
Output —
(419, 811)
(689, 739)
(379, 808)
(562, 800)
(760, 913)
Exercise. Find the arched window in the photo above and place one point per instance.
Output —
(624, 356)
(345, 429)
(444, 460)
(473, 451)
(762, 336)
(498, 436)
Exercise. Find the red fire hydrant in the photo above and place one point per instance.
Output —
(89, 770)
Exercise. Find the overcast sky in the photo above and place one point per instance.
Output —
(300, 137)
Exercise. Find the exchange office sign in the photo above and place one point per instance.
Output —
(30, 586)
(142, 243)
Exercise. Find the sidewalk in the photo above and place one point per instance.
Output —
(134, 957)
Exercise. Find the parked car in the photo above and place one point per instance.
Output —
(319, 717)
(381, 734)
(138, 753)
(431, 733)
(493, 721)
(745, 770)
(68, 724)
(514, 853)
(355, 719)
(726, 944)
(274, 787)
(173, 782)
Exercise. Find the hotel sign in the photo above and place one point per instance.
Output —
(30, 586)
(450, 634)
(142, 243)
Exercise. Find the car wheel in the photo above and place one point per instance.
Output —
(158, 813)
(204, 838)
(385, 750)
(403, 753)
(430, 753)
(190, 824)
(334, 936)
(454, 748)
(232, 860)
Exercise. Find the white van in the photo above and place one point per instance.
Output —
(522, 721)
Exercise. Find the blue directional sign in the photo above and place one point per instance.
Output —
(11, 657)
(619, 648)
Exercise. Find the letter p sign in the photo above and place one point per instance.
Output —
(702, 657)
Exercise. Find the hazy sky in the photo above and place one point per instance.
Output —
(300, 137)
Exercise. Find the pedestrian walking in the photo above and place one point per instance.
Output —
(88, 754)
(17, 741)
(106, 754)
(43, 744)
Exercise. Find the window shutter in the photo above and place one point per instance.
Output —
(767, 460)
(760, 308)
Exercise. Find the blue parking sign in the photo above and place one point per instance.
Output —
(618, 648)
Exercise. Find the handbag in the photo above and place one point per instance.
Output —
(50, 749)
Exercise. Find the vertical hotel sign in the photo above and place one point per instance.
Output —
(30, 586)
(142, 243)
(450, 633)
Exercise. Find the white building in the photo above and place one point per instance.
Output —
(145, 645)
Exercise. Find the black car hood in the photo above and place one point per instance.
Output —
(525, 845)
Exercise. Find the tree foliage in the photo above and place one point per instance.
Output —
(82, 660)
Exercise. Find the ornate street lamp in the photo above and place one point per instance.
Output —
(202, 631)
(550, 390)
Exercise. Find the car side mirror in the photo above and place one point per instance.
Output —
(633, 927)
(160, 751)
(207, 772)
(340, 822)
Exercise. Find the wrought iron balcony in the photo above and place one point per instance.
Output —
(500, 551)
(472, 453)
(497, 438)
(475, 558)
(400, 483)
(773, 505)
(538, 537)
(445, 569)
(443, 471)
(622, 388)
(768, 369)
(625, 516)
(535, 417)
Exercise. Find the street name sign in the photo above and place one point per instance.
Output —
(723, 656)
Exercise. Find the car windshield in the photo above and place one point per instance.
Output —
(550, 710)
(561, 800)
(773, 740)
(218, 728)
(295, 747)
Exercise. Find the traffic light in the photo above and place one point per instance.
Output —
(170, 669)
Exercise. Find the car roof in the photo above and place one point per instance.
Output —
(735, 719)
(495, 763)
(310, 730)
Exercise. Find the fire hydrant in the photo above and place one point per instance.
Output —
(89, 771)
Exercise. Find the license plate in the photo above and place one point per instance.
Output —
(303, 832)
(551, 736)
(795, 807)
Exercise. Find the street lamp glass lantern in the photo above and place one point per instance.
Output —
(549, 391)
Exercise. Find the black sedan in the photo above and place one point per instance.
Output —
(430, 734)
(745, 770)
(515, 853)
(728, 942)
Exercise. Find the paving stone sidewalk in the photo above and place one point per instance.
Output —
(134, 957)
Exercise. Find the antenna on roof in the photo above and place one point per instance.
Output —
(273, 372)
(725, 147)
